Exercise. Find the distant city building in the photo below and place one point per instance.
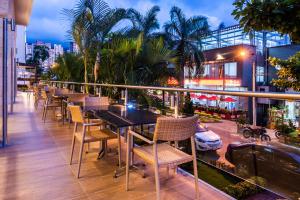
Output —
(55, 50)
(73, 48)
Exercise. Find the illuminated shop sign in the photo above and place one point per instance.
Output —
(213, 82)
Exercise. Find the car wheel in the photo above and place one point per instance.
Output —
(265, 138)
(247, 133)
(277, 134)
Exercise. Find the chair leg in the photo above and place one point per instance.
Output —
(119, 149)
(168, 171)
(43, 113)
(88, 148)
(128, 160)
(46, 109)
(195, 167)
(80, 158)
(72, 149)
(157, 184)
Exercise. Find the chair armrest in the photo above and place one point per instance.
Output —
(140, 137)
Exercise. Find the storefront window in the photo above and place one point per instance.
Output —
(230, 69)
(206, 70)
(260, 74)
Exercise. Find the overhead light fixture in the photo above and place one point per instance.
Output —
(220, 57)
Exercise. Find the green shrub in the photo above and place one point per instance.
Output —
(245, 189)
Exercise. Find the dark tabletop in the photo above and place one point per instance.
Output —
(118, 117)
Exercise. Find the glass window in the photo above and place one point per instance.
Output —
(260, 74)
(230, 69)
(206, 70)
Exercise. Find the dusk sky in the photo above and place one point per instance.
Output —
(48, 24)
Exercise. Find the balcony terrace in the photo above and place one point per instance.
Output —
(35, 165)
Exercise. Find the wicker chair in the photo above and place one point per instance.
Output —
(37, 94)
(86, 136)
(74, 98)
(96, 101)
(162, 154)
(49, 103)
(62, 91)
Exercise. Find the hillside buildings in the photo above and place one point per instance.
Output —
(55, 50)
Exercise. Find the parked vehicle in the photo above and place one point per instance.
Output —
(256, 133)
(207, 140)
(277, 163)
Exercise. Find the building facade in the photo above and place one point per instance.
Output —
(73, 48)
(12, 13)
(238, 61)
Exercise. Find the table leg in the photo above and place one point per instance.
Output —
(119, 148)
(62, 112)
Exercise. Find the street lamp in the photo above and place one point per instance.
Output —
(243, 54)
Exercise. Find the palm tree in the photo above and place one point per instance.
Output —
(143, 24)
(68, 67)
(184, 36)
(153, 61)
(91, 21)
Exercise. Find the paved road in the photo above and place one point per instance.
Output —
(227, 130)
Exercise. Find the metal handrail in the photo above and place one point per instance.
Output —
(270, 95)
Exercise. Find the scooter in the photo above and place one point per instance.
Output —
(256, 133)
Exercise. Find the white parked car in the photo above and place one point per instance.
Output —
(207, 140)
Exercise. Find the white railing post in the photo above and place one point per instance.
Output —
(126, 98)
(176, 104)
(99, 91)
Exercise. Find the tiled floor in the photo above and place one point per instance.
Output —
(35, 166)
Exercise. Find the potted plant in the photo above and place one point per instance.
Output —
(241, 121)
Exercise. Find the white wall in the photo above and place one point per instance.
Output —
(21, 44)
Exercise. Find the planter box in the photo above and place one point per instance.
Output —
(228, 116)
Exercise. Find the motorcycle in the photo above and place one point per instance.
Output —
(278, 134)
(256, 133)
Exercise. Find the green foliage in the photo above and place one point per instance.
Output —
(136, 55)
(212, 176)
(40, 54)
(288, 73)
(188, 105)
(285, 129)
(68, 67)
(135, 61)
(242, 120)
(245, 189)
(91, 21)
(269, 15)
(184, 36)
(143, 24)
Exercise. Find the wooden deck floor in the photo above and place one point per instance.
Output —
(35, 166)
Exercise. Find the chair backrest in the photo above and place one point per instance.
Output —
(104, 101)
(62, 91)
(92, 101)
(76, 97)
(76, 114)
(44, 94)
(175, 129)
(50, 89)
